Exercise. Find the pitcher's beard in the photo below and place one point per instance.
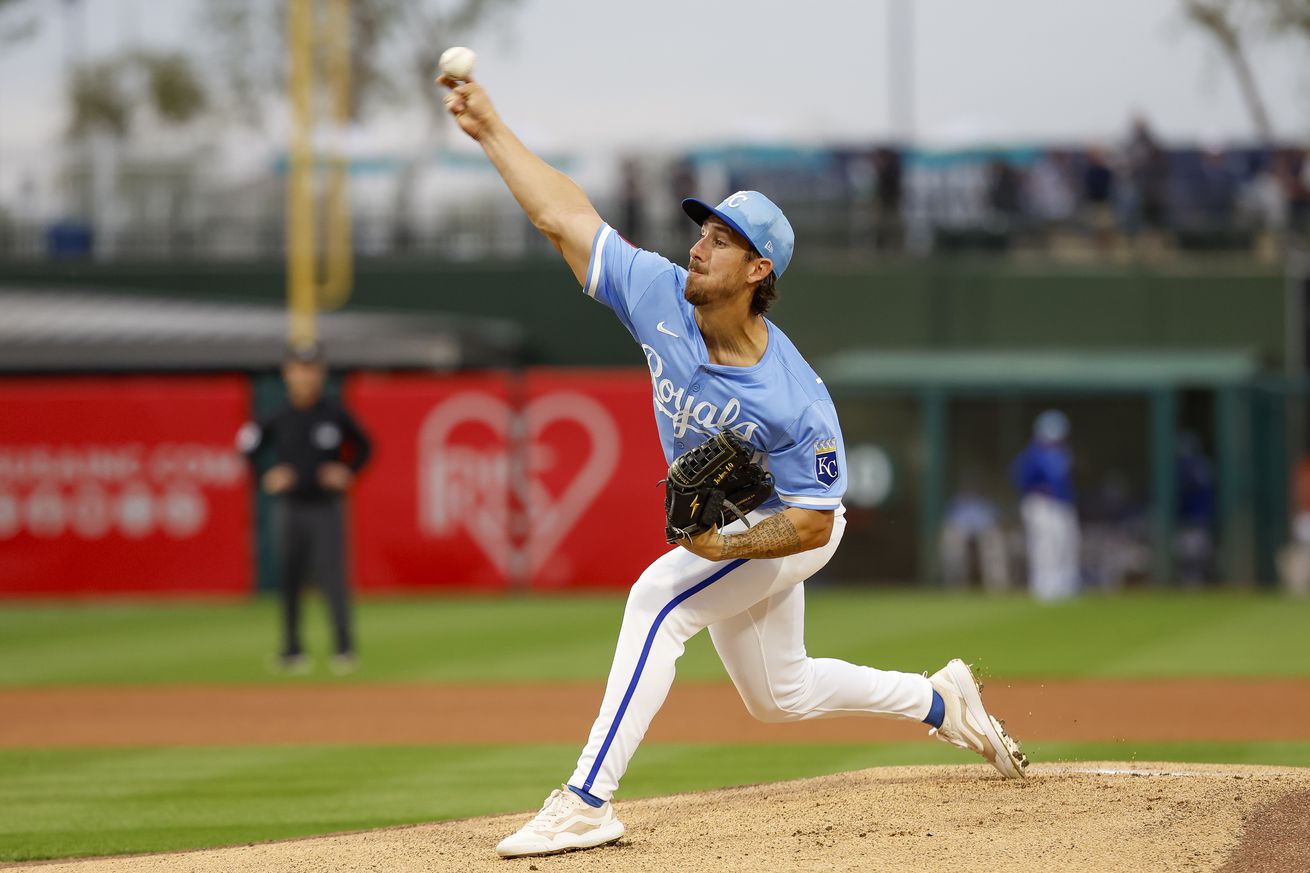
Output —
(695, 296)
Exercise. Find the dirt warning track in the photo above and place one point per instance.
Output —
(1062, 710)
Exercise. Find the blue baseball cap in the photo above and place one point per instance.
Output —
(755, 217)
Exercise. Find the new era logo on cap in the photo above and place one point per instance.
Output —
(755, 217)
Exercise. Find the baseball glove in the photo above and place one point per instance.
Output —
(712, 484)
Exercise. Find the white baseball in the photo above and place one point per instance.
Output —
(457, 62)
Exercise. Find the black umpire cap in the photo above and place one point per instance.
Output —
(306, 352)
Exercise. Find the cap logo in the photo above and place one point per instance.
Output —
(768, 246)
(738, 199)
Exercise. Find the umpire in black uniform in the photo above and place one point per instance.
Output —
(318, 449)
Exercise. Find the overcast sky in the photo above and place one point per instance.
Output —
(614, 73)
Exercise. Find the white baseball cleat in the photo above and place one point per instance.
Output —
(565, 822)
(968, 725)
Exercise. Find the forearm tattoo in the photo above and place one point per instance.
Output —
(775, 537)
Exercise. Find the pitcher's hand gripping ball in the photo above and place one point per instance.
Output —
(711, 485)
(457, 62)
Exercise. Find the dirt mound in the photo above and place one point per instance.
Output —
(1103, 817)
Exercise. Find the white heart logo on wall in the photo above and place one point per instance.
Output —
(466, 486)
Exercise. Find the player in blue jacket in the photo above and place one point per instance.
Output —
(1043, 474)
(716, 362)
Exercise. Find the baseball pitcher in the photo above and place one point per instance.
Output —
(753, 498)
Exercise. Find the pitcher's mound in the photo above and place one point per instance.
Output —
(1064, 817)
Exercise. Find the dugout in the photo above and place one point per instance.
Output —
(920, 426)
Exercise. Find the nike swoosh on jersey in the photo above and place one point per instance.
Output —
(662, 329)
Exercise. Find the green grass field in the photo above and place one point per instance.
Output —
(65, 802)
(561, 638)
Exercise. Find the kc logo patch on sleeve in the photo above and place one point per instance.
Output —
(825, 462)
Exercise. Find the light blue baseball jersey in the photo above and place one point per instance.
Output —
(779, 405)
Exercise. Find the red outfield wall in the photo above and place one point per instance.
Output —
(123, 486)
(480, 481)
(132, 485)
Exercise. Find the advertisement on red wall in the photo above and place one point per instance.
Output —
(123, 486)
(432, 510)
(485, 481)
(595, 507)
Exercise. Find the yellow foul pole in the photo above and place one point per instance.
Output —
(335, 287)
(305, 292)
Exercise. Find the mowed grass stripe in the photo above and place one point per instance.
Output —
(491, 639)
(63, 803)
(78, 802)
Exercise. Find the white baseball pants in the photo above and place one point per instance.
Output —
(755, 610)
(1051, 527)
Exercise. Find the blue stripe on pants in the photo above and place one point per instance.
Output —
(641, 663)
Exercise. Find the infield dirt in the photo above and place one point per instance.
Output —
(1104, 817)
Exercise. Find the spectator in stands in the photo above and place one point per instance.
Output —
(1004, 190)
(1148, 187)
(1294, 175)
(1098, 198)
(1216, 194)
(632, 202)
(888, 228)
(1043, 475)
(682, 184)
(1264, 207)
(1049, 191)
(318, 449)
